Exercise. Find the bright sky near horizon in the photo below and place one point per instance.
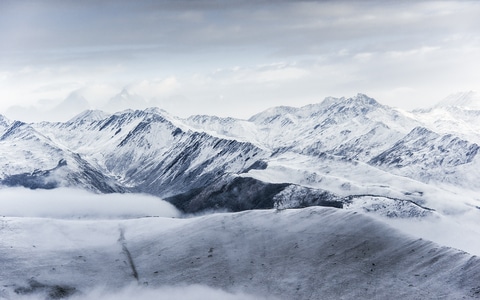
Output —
(231, 58)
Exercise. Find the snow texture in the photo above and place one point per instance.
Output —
(311, 253)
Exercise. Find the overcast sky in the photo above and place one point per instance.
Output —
(231, 58)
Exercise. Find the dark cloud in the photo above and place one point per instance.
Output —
(287, 27)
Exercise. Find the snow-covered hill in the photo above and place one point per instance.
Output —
(312, 253)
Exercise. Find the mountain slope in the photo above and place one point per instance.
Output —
(32, 160)
(357, 127)
(289, 255)
(4, 124)
(150, 151)
(468, 100)
(425, 155)
(458, 114)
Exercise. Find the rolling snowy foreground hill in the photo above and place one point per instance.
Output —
(415, 171)
(312, 253)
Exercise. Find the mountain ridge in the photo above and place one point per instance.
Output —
(312, 253)
(469, 100)
(186, 160)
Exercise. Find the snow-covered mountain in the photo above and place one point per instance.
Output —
(4, 124)
(354, 127)
(151, 152)
(467, 100)
(458, 114)
(328, 153)
(33, 160)
(374, 166)
(425, 155)
(125, 100)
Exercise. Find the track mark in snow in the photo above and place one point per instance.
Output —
(127, 253)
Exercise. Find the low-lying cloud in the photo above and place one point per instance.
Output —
(72, 203)
(191, 292)
(460, 231)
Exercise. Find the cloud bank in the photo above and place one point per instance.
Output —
(191, 292)
(72, 203)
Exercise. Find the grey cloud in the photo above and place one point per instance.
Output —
(288, 27)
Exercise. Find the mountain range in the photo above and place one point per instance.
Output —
(330, 153)
(339, 199)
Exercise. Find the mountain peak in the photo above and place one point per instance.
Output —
(469, 100)
(124, 93)
(359, 99)
(89, 115)
(360, 103)
(272, 113)
(362, 99)
(125, 100)
(157, 111)
(4, 122)
(73, 103)
(13, 128)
